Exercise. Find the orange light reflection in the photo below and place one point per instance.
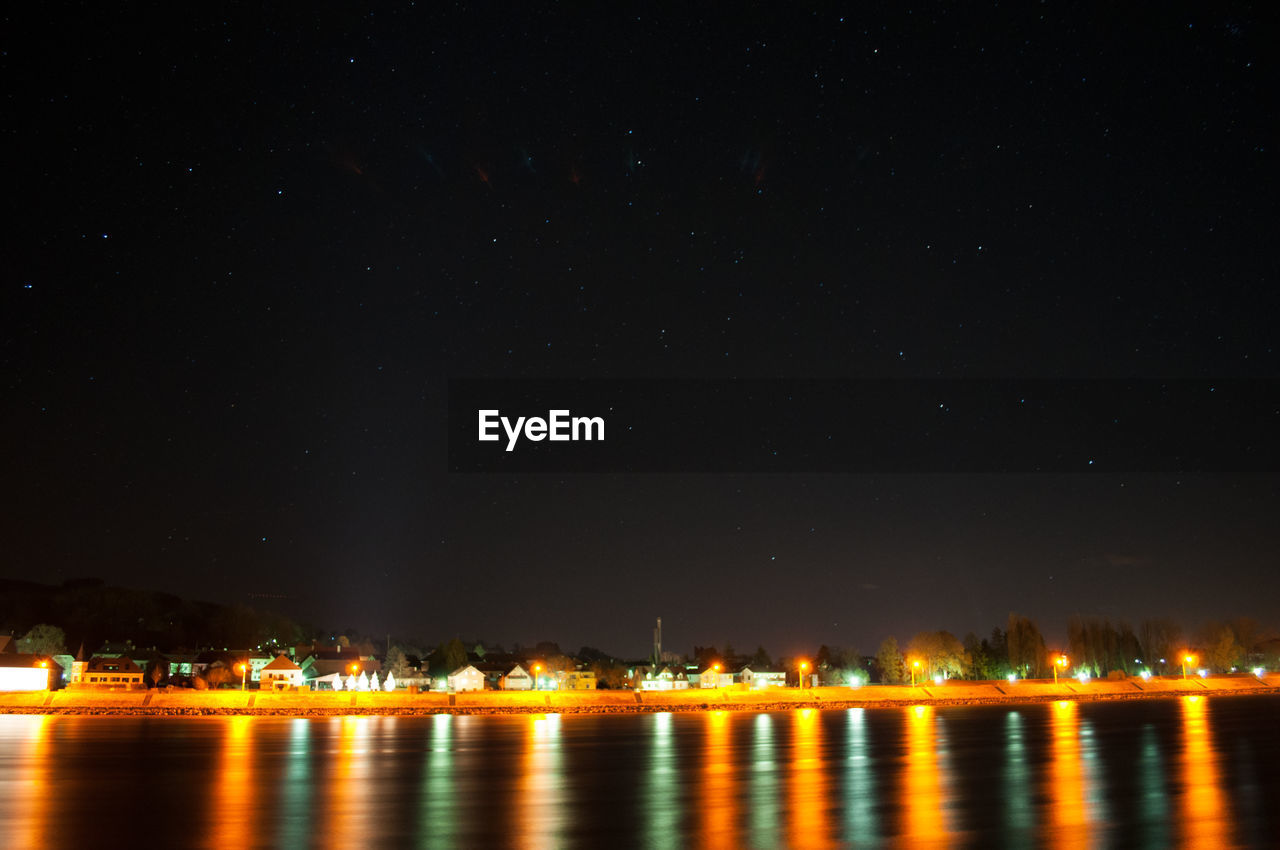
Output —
(809, 823)
(1071, 822)
(922, 792)
(31, 795)
(231, 814)
(344, 803)
(1206, 811)
(542, 807)
(716, 817)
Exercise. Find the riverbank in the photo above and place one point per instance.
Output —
(329, 704)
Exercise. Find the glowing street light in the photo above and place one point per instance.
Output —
(1060, 661)
(804, 665)
(244, 671)
(915, 667)
(537, 668)
(1187, 659)
(716, 668)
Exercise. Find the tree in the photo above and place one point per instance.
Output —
(1026, 647)
(1248, 634)
(1161, 644)
(43, 639)
(449, 656)
(705, 656)
(217, 674)
(940, 653)
(157, 671)
(609, 674)
(398, 663)
(761, 660)
(1221, 651)
(989, 657)
(889, 660)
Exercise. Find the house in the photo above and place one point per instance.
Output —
(182, 665)
(762, 678)
(664, 680)
(578, 680)
(714, 677)
(466, 678)
(281, 674)
(78, 665)
(516, 679)
(325, 662)
(258, 661)
(20, 671)
(118, 672)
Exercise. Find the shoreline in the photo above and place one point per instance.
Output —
(159, 703)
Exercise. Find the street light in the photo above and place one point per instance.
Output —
(804, 665)
(537, 668)
(1187, 658)
(244, 671)
(1060, 661)
(915, 668)
(716, 668)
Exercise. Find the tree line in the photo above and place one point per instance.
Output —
(1095, 645)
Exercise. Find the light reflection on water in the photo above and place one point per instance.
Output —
(861, 825)
(543, 804)
(764, 809)
(231, 815)
(1038, 775)
(1206, 810)
(297, 787)
(1072, 821)
(438, 789)
(662, 793)
(715, 813)
(1019, 810)
(924, 800)
(809, 793)
(26, 788)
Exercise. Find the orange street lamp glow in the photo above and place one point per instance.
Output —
(915, 667)
(537, 668)
(804, 665)
(1060, 661)
(1187, 659)
(244, 671)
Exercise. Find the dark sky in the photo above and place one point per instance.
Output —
(252, 246)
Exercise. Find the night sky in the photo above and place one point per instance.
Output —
(249, 248)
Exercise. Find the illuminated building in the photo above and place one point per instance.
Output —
(466, 678)
(281, 674)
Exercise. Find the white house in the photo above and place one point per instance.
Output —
(762, 678)
(517, 679)
(666, 680)
(466, 678)
(281, 674)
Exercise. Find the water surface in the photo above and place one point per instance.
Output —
(1192, 772)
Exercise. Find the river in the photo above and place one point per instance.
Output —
(1191, 771)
